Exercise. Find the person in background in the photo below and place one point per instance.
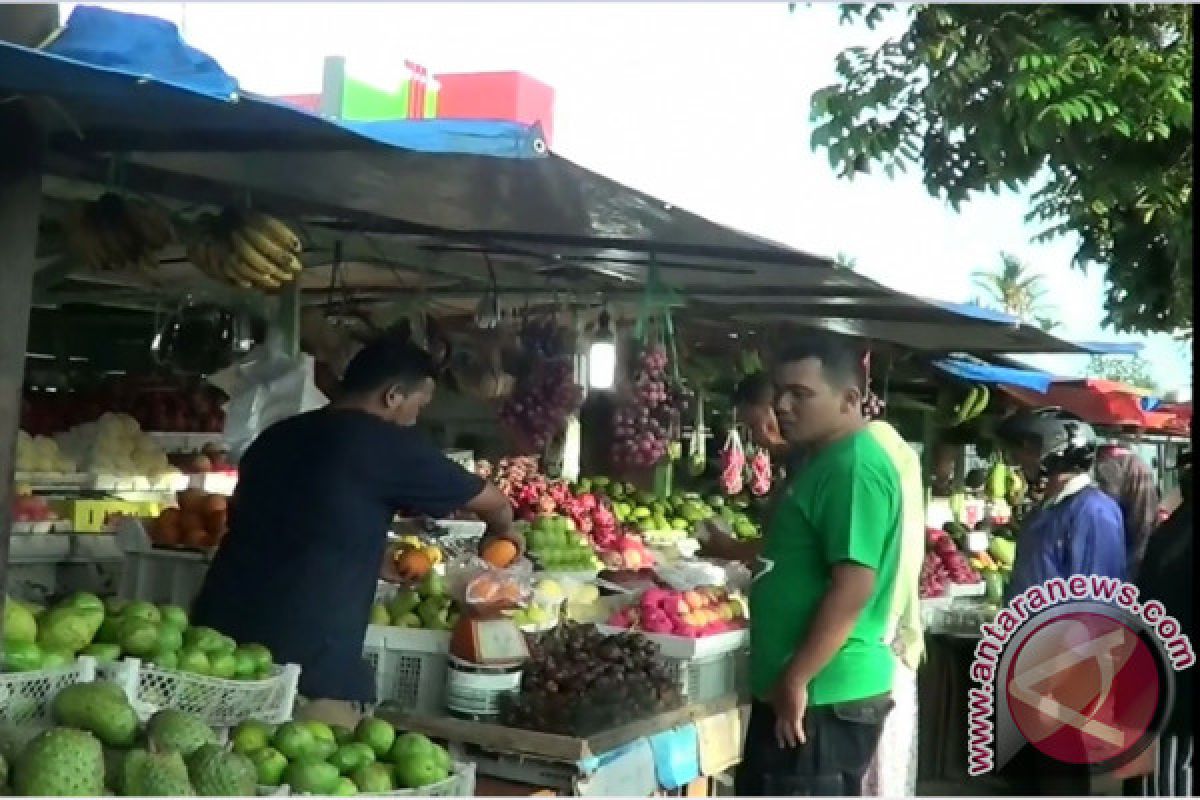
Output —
(1166, 576)
(754, 401)
(821, 665)
(308, 529)
(1076, 529)
(893, 770)
(1127, 479)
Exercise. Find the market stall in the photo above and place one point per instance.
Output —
(197, 215)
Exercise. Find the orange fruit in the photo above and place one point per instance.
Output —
(499, 553)
(412, 564)
(191, 500)
(214, 503)
(196, 537)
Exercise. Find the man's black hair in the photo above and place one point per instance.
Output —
(384, 362)
(840, 358)
(755, 389)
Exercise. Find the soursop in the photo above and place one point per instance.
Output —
(217, 772)
(101, 708)
(147, 774)
(178, 730)
(63, 762)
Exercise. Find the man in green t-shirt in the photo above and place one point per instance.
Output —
(820, 604)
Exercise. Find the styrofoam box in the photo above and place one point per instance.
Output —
(683, 647)
(410, 666)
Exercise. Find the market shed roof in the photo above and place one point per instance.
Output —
(453, 208)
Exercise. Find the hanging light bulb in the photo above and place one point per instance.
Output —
(602, 356)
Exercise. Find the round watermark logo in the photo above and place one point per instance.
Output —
(1086, 688)
(1077, 669)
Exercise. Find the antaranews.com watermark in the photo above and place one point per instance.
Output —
(1079, 669)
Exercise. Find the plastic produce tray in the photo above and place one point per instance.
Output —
(218, 701)
(26, 697)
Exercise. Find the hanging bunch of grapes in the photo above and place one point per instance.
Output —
(537, 411)
(644, 423)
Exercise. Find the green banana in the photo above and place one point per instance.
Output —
(997, 482)
(981, 402)
(963, 410)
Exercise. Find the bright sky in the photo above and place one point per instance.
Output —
(703, 105)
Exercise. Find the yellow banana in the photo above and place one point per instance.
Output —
(250, 274)
(279, 256)
(256, 261)
(232, 275)
(276, 231)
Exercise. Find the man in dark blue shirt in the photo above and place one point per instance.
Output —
(309, 520)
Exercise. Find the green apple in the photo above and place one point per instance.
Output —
(250, 736)
(223, 665)
(373, 778)
(174, 616)
(139, 637)
(195, 661)
(310, 776)
(270, 764)
(166, 659)
(103, 652)
(170, 639)
(378, 734)
(142, 610)
(294, 740)
(344, 788)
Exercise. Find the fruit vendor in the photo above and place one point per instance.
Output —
(754, 399)
(821, 665)
(309, 522)
(1076, 530)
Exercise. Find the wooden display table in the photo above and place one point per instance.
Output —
(515, 762)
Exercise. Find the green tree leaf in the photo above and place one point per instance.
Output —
(1090, 105)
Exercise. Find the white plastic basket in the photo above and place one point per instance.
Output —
(460, 783)
(26, 697)
(218, 701)
(164, 576)
(410, 667)
(707, 668)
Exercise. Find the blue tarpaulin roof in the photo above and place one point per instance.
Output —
(978, 372)
(441, 193)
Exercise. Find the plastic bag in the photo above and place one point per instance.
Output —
(483, 590)
(265, 387)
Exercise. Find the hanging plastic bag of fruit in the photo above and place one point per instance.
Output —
(483, 590)
(760, 472)
(733, 463)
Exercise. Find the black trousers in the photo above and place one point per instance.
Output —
(1034, 774)
(841, 740)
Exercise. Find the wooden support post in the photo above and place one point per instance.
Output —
(20, 203)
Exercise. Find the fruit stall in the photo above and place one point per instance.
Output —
(147, 260)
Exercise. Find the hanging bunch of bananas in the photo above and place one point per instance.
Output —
(118, 233)
(250, 251)
(951, 414)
